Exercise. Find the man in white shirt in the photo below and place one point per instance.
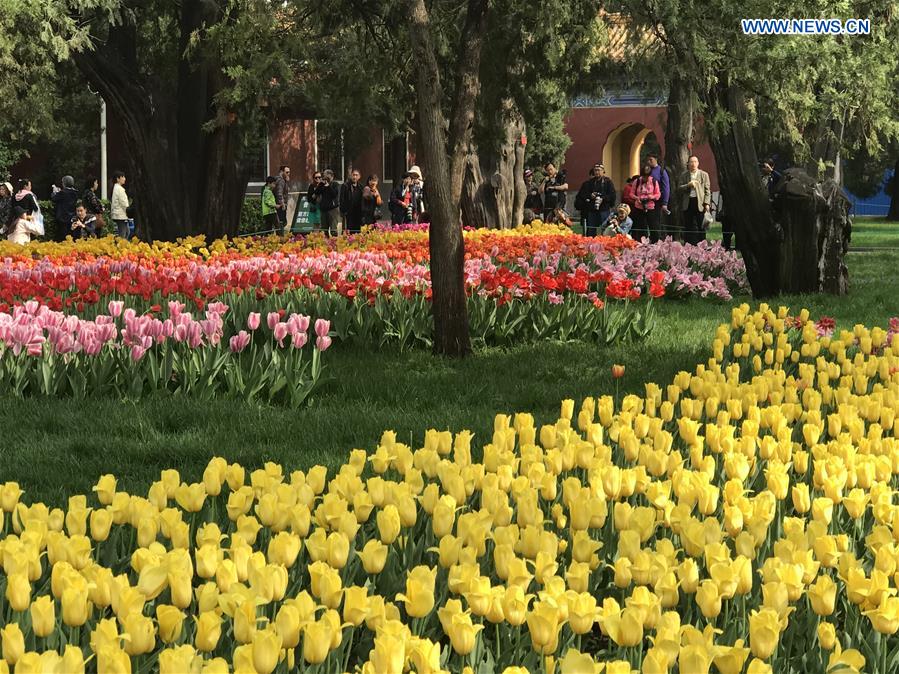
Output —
(696, 190)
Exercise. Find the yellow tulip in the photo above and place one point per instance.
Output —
(101, 523)
(388, 655)
(694, 658)
(112, 660)
(180, 660)
(105, 489)
(730, 659)
(515, 605)
(266, 649)
(209, 631)
(625, 628)
(419, 596)
(374, 556)
(457, 625)
(827, 635)
(885, 618)
(708, 598)
(388, 520)
(848, 661)
(822, 595)
(317, 641)
(576, 662)
(13, 643)
(18, 591)
(764, 632)
(582, 613)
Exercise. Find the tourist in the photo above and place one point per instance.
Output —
(64, 201)
(371, 201)
(770, 178)
(400, 203)
(351, 202)
(661, 176)
(93, 204)
(6, 209)
(328, 203)
(27, 218)
(552, 189)
(619, 222)
(282, 193)
(312, 198)
(270, 206)
(417, 188)
(595, 199)
(83, 224)
(646, 198)
(627, 192)
(696, 191)
(119, 204)
(533, 204)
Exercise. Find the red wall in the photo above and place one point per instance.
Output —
(292, 142)
(589, 128)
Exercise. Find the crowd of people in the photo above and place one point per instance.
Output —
(644, 200)
(347, 207)
(77, 213)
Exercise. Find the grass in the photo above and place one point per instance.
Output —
(55, 448)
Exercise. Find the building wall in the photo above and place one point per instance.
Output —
(292, 142)
(591, 129)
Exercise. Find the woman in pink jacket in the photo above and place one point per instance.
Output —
(645, 213)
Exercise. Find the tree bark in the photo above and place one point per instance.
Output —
(443, 160)
(824, 162)
(182, 178)
(678, 133)
(758, 239)
(493, 188)
(893, 213)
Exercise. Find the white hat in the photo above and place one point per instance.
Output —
(415, 170)
(8, 188)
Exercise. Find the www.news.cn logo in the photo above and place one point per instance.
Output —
(806, 26)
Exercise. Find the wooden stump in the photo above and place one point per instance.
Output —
(815, 225)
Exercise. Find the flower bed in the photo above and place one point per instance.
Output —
(740, 516)
(45, 352)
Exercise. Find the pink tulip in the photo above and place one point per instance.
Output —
(280, 333)
(239, 342)
(298, 340)
(137, 352)
(322, 343)
(272, 319)
(322, 328)
(115, 308)
(253, 321)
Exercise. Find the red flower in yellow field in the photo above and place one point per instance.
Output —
(617, 371)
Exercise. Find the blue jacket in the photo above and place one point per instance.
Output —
(661, 176)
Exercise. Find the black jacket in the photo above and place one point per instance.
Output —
(92, 202)
(327, 196)
(25, 206)
(351, 199)
(64, 204)
(603, 187)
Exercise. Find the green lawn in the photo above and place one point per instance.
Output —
(54, 448)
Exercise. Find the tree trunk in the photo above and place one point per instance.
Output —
(443, 160)
(833, 241)
(493, 189)
(893, 213)
(182, 178)
(678, 133)
(797, 209)
(758, 238)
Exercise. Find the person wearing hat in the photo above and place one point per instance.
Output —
(417, 189)
(6, 211)
(619, 222)
(533, 203)
(595, 199)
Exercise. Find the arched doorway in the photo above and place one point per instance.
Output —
(625, 149)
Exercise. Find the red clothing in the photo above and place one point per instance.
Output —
(646, 188)
(627, 194)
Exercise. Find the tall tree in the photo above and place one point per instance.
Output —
(444, 139)
(808, 95)
(184, 79)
